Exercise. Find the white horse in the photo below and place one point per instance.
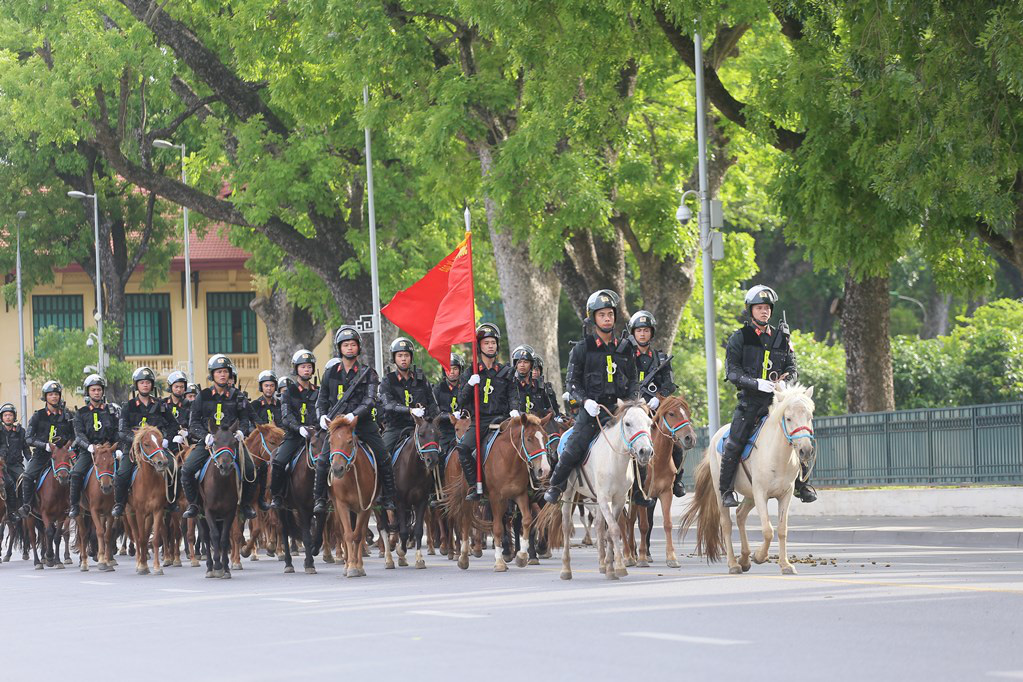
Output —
(785, 442)
(607, 477)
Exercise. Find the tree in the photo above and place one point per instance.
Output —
(61, 354)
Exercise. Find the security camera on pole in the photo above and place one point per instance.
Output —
(99, 283)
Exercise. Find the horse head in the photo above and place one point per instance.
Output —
(427, 440)
(674, 419)
(61, 463)
(341, 435)
(793, 405)
(634, 422)
(224, 451)
(103, 462)
(148, 443)
(461, 421)
(264, 441)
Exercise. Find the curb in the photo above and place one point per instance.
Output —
(988, 540)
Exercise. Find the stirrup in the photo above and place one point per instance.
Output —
(73, 511)
(320, 506)
(191, 512)
(728, 499)
(117, 510)
(277, 502)
(473, 495)
(552, 495)
(679, 489)
(25, 510)
(640, 501)
(247, 511)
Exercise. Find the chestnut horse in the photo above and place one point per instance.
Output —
(260, 444)
(99, 500)
(414, 480)
(672, 425)
(457, 514)
(52, 502)
(354, 488)
(147, 497)
(296, 519)
(219, 492)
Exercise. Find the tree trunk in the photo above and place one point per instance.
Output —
(288, 328)
(592, 262)
(868, 352)
(939, 307)
(530, 293)
(666, 285)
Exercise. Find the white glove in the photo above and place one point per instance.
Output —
(324, 422)
(418, 412)
(180, 440)
(92, 448)
(566, 397)
(591, 407)
(183, 433)
(118, 454)
(654, 402)
(514, 414)
(765, 385)
(303, 431)
(165, 443)
(474, 379)
(239, 436)
(209, 440)
(349, 417)
(49, 447)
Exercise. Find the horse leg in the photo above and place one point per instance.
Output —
(463, 555)
(498, 505)
(285, 540)
(567, 509)
(587, 520)
(310, 544)
(600, 534)
(48, 539)
(158, 537)
(627, 530)
(783, 534)
(236, 536)
(67, 541)
(226, 544)
(741, 514)
(760, 499)
(526, 520)
(205, 537)
(417, 530)
(349, 533)
(403, 534)
(643, 552)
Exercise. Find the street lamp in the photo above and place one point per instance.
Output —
(74, 194)
(164, 144)
(21, 328)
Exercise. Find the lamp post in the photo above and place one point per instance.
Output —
(21, 329)
(99, 283)
(164, 144)
(374, 275)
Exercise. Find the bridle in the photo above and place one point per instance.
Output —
(425, 449)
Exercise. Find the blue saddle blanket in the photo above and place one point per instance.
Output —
(749, 444)
(564, 439)
(398, 448)
(488, 443)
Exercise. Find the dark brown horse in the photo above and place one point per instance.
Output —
(219, 492)
(260, 444)
(99, 500)
(457, 514)
(51, 507)
(296, 518)
(414, 481)
(147, 497)
(354, 488)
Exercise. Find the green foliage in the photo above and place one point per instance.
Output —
(62, 353)
(823, 367)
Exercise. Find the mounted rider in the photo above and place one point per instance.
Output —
(445, 393)
(13, 451)
(601, 371)
(266, 409)
(223, 405)
(496, 391)
(643, 326)
(550, 396)
(142, 410)
(528, 396)
(757, 356)
(95, 424)
(298, 419)
(191, 391)
(404, 393)
(178, 404)
(350, 389)
(49, 425)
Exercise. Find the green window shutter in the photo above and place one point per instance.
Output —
(147, 325)
(230, 323)
(62, 312)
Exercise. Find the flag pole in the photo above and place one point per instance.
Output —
(475, 363)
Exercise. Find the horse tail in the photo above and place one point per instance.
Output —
(549, 523)
(704, 510)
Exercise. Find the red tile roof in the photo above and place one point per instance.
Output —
(213, 252)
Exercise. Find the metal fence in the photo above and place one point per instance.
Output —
(945, 445)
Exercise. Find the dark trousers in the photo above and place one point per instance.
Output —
(13, 467)
(293, 443)
(466, 445)
(369, 436)
(585, 430)
(392, 437)
(744, 420)
(193, 464)
(36, 465)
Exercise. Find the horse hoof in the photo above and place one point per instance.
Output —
(142, 571)
(39, 567)
(587, 542)
(310, 570)
(177, 563)
(60, 565)
(194, 563)
(123, 552)
(245, 552)
(84, 568)
(280, 557)
(389, 564)
(745, 567)
(218, 573)
(203, 557)
(289, 569)
(113, 561)
(521, 561)
(620, 572)
(236, 565)
(630, 561)
(158, 571)
(735, 570)
(167, 562)
(500, 567)
(788, 570)
(757, 560)
(226, 576)
(463, 563)
(421, 563)
(430, 552)
(642, 563)
(647, 558)
(533, 562)
(67, 561)
(100, 566)
(352, 574)
(254, 557)
(545, 555)
(673, 563)
(566, 575)
(477, 553)
(209, 574)
(328, 559)
(402, 561)
(610, 574)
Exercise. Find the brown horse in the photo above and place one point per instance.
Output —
(99, 500)
(354, 487)
(458, 514)
(147, 497)
(414, 480)
(296, 519)
(220, 491)
(672, 424)
(261, 444)
(51, 507)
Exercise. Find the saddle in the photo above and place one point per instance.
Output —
(488, 444)
(749, 444)
(403, 438)
(564, 439)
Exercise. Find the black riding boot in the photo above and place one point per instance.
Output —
(28, 491)
(469, 471)
(386, 483)
(729, 463)
(637, 494)
(320, 490)
(191, 494)
(76, 497)
(248, 492)
(804, 491)
(678, 456)
(277, 481)
(261, 488)
(13, 503)
(121, 485)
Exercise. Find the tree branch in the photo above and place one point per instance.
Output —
(143, 245)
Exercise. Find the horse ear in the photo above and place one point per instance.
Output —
(233, 427)
(211, 426)
(453, 418)
(418, 420)
(546, 419)
(355, 420)
(809, 392)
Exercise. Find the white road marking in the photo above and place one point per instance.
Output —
(1007, 674)
(335, 638)
(294, 601)
(96, 582)
(447, 614)
(178, 589)
(689, 639)
(30, 576)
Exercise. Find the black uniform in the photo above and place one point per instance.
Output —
(14, 451)
(179, 411)
(601, 372)
(496, 394)
(44, 427)
(93, 425)
(660, 386)
(223, 409)
(397, 397)
(134, 414)
(357, 389)
(265, 411)
(446, 397)
(298, 409)
(751, 355)
(529, 396)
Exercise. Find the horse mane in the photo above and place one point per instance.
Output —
(792, 393)
(680, 398)
(144, 431)
(337, 422)
(270, 429)
(626, 406)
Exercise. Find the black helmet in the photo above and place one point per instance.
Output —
(142, 374)
(641, 319)
(8, 407)
(347, 333)
(193, 388)
(538, 363)
(93, 380)
(51, 386)
(457, 361)
(301, 357)
(522, 353)
(601, 299)
(487, 330)
(283, 382)
(177, 376)
(220, 361)
(400, 345)
(266, 375)
(760, 294)
(331, 364)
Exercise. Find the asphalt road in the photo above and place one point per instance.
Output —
(880, 611)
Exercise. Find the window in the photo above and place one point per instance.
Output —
(147, 324)
(62, 312)
(230, 323)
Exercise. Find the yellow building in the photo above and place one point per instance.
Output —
(155, 329)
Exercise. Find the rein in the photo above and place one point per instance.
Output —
(425, 448)
(349, 462)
